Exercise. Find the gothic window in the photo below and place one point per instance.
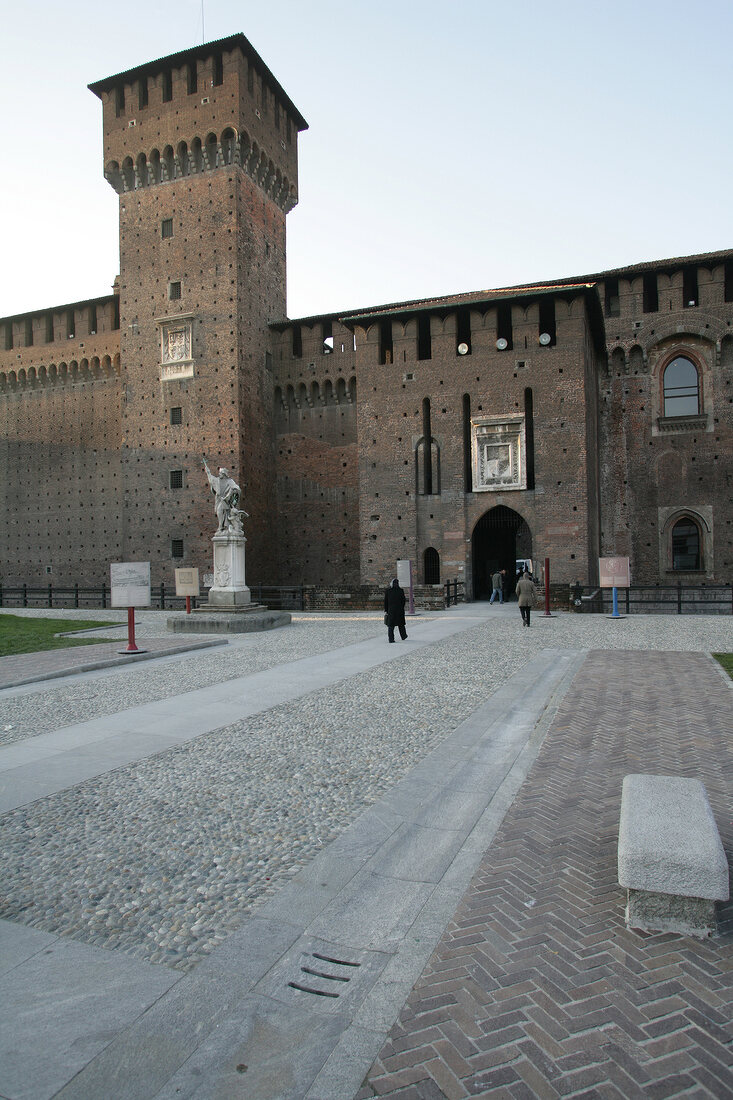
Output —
(431, 564)
(686, 545)
(681, 386)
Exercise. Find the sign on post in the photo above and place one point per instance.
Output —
(187, 584)
(130, 584)
(404, 579)
(614, 572)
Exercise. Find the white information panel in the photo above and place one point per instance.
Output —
(614, 572)
(130, 581)
(404, 573)
(187, 582)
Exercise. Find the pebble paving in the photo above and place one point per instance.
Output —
(163, 858)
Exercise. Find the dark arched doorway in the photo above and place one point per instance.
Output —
(500, 537)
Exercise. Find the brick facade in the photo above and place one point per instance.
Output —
(461, 433)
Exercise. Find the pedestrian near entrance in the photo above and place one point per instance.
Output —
(525, 597)
(394, 610)
(497, 586)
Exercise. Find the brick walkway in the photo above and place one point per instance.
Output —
(536, 988)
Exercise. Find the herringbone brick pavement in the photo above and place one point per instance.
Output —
(537, 989)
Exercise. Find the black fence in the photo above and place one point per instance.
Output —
(162, 598)
(453, 592)
(673, 599)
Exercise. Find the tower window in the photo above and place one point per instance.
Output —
(690, 293)
(92, 320)
(120, 100)
(681, 387)
(504, 323)
(167, 82)
(218, 70)
(176, 548)
(70, 324)
(192, 83)
(463, 331)
(685, 545)
(29, 332)
(327, 336)
(142, 92)
(424, 344)
(49, 328)
(166, 228)
(651, 292)
(297, 342)
(612, 300)
(9, 336)
(176, 479)
(176, 415)
(174, 291)
(547, 320)
(385, 341)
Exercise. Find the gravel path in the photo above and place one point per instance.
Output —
(164, 858)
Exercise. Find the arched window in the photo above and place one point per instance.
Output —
(431, 565)
(685, 545)
(681, 388)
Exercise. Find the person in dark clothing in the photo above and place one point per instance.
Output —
(525, 597)
(394, 610)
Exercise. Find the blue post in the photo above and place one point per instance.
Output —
(615, 614)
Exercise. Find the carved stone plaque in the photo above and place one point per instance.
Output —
(497, 450)
(176, 355)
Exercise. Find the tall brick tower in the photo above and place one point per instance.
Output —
(201, 147)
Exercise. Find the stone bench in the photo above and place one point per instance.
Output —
(670, 858)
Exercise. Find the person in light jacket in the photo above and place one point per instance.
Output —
(525, 597)
(394, 610)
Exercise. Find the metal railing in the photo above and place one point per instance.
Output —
(452, 594)
(162, 598)
(672, 599)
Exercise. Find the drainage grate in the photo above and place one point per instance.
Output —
(324, 988)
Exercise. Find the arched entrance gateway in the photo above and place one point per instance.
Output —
(499, 538)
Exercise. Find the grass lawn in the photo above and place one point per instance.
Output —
(726, 660)
(21, 635)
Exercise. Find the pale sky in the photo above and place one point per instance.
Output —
(452, 146)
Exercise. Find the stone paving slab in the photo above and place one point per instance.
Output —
(537, 988)
(49, 664)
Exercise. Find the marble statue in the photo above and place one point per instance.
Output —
(227, 494)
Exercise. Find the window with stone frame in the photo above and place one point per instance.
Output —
(681, 388)
(686, 545)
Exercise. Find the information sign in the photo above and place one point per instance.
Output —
(187, 582)
(614, 572)
(130, 582)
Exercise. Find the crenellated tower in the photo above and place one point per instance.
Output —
(201, 147)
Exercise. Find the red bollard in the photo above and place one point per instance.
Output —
(547, 614)
(188, 605)
(131, 647)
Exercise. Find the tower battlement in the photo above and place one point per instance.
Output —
(209, 107)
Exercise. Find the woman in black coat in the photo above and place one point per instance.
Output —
(394, 610)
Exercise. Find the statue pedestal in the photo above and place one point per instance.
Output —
(230, 591)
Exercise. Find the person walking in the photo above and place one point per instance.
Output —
(394, 610)
(525, 597)
(497, 586)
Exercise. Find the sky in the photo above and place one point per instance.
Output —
(452, 146)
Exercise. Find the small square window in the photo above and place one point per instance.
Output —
(176, 479)
(166, 228)
(174, 291)
(177, 415)
(176, 548)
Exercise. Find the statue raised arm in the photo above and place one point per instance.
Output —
(227, 493)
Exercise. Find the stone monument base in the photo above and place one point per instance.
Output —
(215, 620)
